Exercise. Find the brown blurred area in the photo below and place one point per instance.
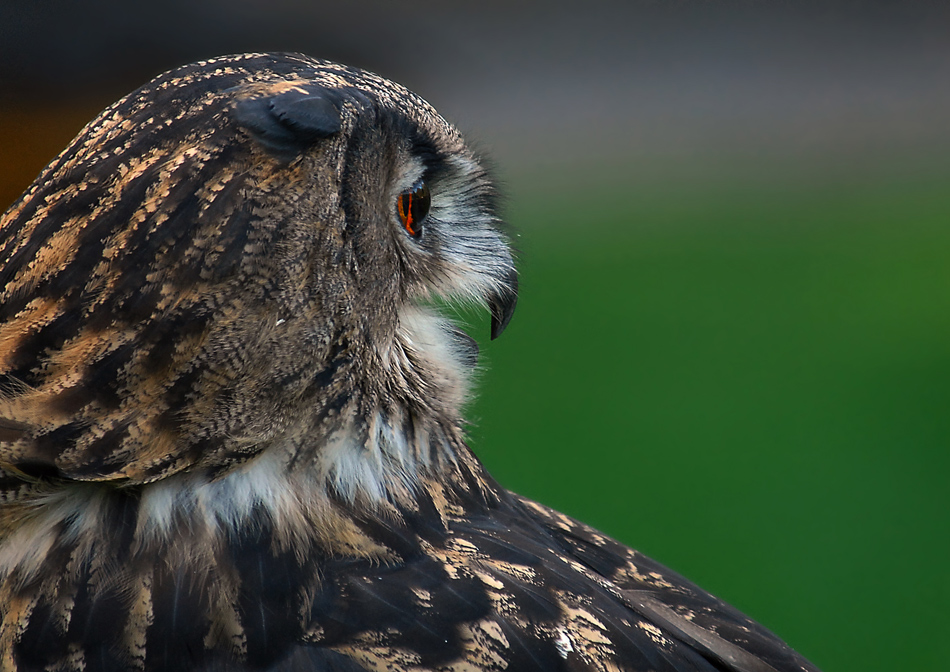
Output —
(28, 140)
(547, 89)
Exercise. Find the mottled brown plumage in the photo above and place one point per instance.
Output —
(230, 429)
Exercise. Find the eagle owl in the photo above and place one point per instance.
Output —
(230, 426)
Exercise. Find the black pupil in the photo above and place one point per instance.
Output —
(413, 206)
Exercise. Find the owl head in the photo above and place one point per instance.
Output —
(240, 256)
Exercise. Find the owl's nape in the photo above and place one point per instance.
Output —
(230, 423)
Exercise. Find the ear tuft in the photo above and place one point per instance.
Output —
(288, 123)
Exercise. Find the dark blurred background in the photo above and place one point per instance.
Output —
(732, 349)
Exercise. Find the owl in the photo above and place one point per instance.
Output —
(231, 434)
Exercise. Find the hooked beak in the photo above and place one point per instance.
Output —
(502, 304)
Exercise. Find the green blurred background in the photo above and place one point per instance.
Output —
(732, 346)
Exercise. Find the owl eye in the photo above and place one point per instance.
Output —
(412, 206)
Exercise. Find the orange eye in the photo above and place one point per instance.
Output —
(412, 206)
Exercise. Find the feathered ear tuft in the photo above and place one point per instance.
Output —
(290, 122)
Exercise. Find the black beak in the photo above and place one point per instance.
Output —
(502, 304)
